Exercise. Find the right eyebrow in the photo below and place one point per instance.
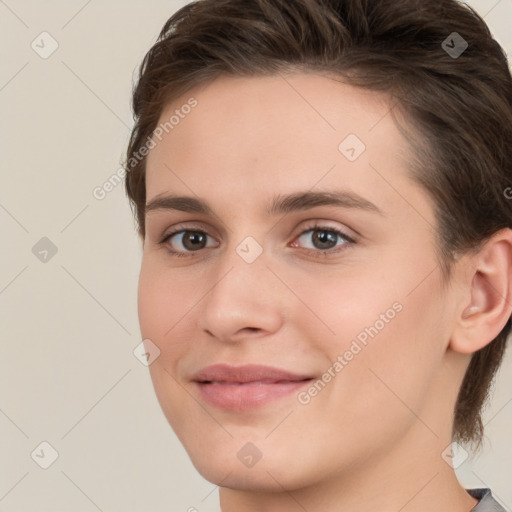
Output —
(181, 203)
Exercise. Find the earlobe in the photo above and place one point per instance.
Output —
(489, 287)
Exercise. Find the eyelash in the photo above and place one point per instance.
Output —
(316, 227)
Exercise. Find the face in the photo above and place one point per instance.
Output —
(336, 293)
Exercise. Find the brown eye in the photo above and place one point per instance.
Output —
(186, 240)
(324, 238)
(193, 240)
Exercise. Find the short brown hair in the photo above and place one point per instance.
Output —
(458, 105)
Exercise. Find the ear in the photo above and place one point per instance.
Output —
(486, 303)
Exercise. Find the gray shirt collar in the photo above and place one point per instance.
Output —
(486, 503)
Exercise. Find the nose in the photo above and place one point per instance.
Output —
(241, 299)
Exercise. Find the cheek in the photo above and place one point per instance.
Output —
(162, 301)
(164, 307)
(387, 332)
(152, 304)
(398, 353)
(162, 310)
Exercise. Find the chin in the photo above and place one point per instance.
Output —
(259, 478)
(271, 473)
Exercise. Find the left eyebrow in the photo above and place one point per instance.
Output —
(298, 201)
(281, 204)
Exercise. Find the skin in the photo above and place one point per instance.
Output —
(372, 438)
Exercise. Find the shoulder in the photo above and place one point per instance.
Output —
(487, 502)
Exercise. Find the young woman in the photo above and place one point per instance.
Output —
(325, 293)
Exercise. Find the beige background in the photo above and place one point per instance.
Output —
(69, 325)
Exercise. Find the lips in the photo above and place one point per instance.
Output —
(240, 388)
(248, 373)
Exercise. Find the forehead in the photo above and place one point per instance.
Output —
(262, 135)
